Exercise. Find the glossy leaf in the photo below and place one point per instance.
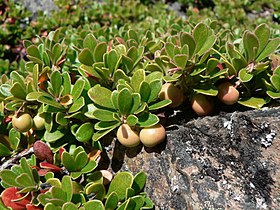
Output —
(101, 133)
(155, 90)
(251, 45)
(112, 60)
(103, 115)
(56, 81)
(49, 101)
(147, 120)
(99, 51)
(69, 206)
(86, 57)
(90, 42)
(101, 96)
(139, 182)
(104, 125)
(84, 132)
(120, 183)
(9, 178)
(112, 201)
(132, 120)
(54, 136)
(136, 80)
(4, 150)
(145, 91)
(244, 76)
(77, 105)
(98, 190)
(200, 34)
(159, 104)
(275, 80)
(272, 94)
(187, 39)
(136, 101)
(180, 60)
(94, 204)
(269, 49)
(91, 165)
(169, 48)
(209, 90)
(207, 45)
(124, 101)
(253, 102)
(18, 91)
(78, 88)
(68, 161)
(67, 186)
(33, 51)
(262, 32)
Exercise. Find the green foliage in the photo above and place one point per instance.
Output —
(50, 192)
(89, 68)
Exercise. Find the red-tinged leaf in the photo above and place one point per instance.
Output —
(31, 207)
(10, 194)
(50, 166)
(42, 172)
(61, 150)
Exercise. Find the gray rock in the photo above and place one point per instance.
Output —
(228, 161)
(39, 5)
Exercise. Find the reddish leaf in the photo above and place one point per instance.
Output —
(61, 150)
(10, 194)
(50, 166)
(31, 207)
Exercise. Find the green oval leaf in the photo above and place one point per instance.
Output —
(84, 132)
(139, 182)
(103, 115)
(253, 102)
(18, 91)
(112, 201)
(56, 82)
(145, 91)
(124, 101)
(147, 120)
(69, 162)
(180, 60)
(99, 51)
(86, 57)
(159, 105)
(137, 78)
(244, 76)
(269, 49)
(98, 190)
(120, 183)
(94, 204)
(78, 88)
(54, 136)
(101, 96)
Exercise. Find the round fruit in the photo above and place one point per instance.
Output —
(38, 122)
(151, 136)
(202, 105)
(169, 91)
(227, 93)
(22, 122)
(127, 136)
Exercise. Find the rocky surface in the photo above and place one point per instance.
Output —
(226, 161)
(39, 5)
